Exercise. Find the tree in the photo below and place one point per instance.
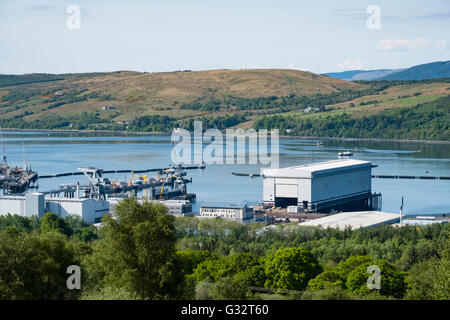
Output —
(392, 282)
(243, 267)
(26, 224)
(430, 280)
(137, 252)
(190, 259)
(34, 266)
(80, 229)
(291, 269)
(347, 266)
(327, 279)
(51, 222)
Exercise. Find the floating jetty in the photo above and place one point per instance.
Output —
(16, 180)
(170, 183)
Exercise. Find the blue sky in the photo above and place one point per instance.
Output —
(168, 35)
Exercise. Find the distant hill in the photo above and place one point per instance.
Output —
(160, 102)
(433, 70)
(125, 95)
(367, 75)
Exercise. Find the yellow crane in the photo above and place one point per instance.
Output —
(131, 177)
(144, 177)
(162, 189)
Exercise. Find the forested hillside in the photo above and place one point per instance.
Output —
(147, 254)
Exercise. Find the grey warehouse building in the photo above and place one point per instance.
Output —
(337, 185)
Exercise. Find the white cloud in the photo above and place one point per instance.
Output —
(410, 45)
(350, 65)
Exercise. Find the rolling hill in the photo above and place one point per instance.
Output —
(433, 70)
(131, 94)
(366, 75)
(159, 102)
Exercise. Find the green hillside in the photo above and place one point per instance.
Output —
(159, 102)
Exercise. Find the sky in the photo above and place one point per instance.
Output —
(168, 35)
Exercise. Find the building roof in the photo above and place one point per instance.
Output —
(355, 220)
(316, 169)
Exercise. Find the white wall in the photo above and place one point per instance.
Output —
(319, 188)
(12, 205)
(341, 184)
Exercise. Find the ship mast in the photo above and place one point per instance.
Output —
(25, 168)
(3, 158)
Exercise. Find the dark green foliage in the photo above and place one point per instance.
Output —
(50, 222)
(291, 269)
(136, 258)
(14, 80)
(34, 266)
(428, 121)
(137, 252)
(430, 279)
(20, 223)
(326, 280)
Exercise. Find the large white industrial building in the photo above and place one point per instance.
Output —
(89, 210)
(342, 185)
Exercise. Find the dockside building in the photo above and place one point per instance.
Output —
(337, 185)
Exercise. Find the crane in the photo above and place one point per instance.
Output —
(131, 177)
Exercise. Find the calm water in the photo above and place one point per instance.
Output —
(50, 153)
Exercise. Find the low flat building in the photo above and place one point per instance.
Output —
(337, 185)
(90, 210)
(354, 220)
(236, 212)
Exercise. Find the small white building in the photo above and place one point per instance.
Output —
(320, 186)
(237, 212)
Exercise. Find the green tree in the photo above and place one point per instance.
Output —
(291, 269)
(137, 252)
(51, 222)
(26, 224)
(392, 282)
(33, 266)
(327, 279)
(430, 280)
(345, 267)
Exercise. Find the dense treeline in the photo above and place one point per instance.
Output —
(281, 104)
(144, 253)
(7, 80)
(427, 121)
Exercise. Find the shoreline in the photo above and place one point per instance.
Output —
(168, 133)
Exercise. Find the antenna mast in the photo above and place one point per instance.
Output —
(401, 213)
(3, 158)
(25, 168)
